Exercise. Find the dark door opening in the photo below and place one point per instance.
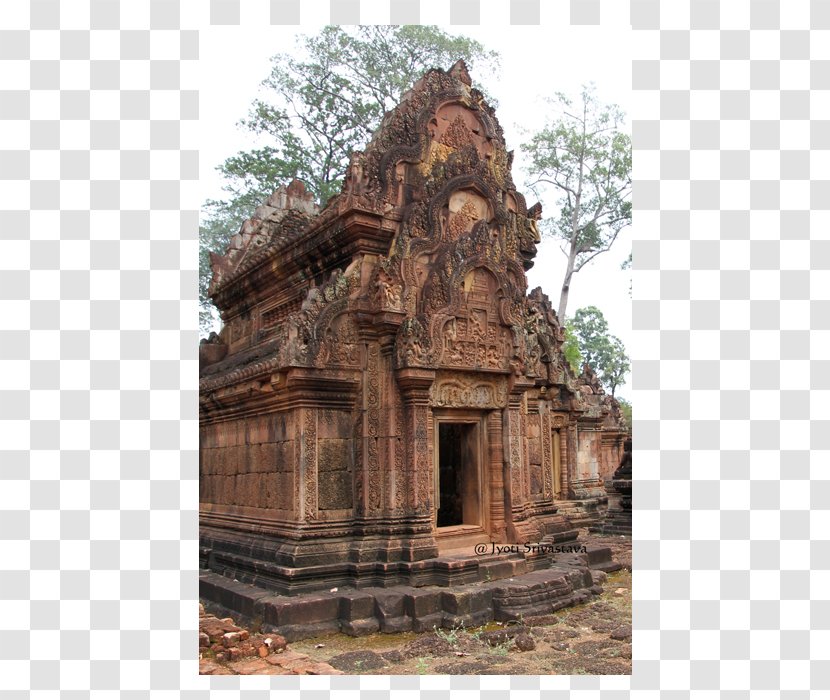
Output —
(458, 490)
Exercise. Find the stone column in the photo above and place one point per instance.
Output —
(419, 496)
(415, 384)
(514, 452)
(390, 442)
(572, 468)
(495, 475)
(372, 472)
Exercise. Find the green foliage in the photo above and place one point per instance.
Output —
(604, 352)
(626, 411)
(591, 330)
(587, 159)
(503, 648)
(571, 350)
(626, 265)
(323, 101)
(615, 366)
(451, 636)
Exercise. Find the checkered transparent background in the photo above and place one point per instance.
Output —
(99, 214)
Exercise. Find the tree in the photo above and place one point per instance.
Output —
(322, 102)
(604, 352)
(627, 412)
(616, 365)
(626, 265)
(215, 229)
(583, 154)
(570, 348)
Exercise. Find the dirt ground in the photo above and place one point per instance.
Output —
(593, 638)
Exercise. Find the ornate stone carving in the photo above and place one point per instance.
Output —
(398, 476)
(387, 286)
(372, 424)
(274, 225)
(459, 391)
(514, 419)
(547, 455)
(412, 344)
(310, 463)
(314, 323)
(422, 456)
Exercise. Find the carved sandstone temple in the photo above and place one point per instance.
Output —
(384, 389)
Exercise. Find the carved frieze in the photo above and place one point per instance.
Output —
(547, 454)
(310, 462)
(372, 427)
(459, 391)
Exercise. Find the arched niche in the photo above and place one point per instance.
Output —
(464, 209)
(455, 126)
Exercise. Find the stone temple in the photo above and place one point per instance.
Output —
(385, 393)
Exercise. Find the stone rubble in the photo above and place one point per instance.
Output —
(225, 649)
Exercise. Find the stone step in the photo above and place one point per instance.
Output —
(567, 581)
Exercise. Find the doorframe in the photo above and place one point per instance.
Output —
(455, 535)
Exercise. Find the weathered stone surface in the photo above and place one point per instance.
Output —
(216, 629)
(524, 642)
(275, 642)
(334, 462)
(285, 658)
(622, 633)
(357, 661)
(212, 668)
(256, 667)
(230, 639)
(360, 628)
(356, 605)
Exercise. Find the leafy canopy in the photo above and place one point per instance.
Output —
(570, 348)
(597, 347)
(583, 154)
(320, 103)
(626, 410)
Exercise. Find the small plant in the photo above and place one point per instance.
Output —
(421, 666)
(451, 636)
(358, 665)
(503, 649)
(476, 635)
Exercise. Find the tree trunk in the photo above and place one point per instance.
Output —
(566, 288)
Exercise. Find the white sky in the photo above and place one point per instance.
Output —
(536, 62)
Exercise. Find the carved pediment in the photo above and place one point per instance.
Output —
(277, 221)
(456, 126)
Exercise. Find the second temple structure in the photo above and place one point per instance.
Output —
(384, 389)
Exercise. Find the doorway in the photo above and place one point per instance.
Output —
(459, 475)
